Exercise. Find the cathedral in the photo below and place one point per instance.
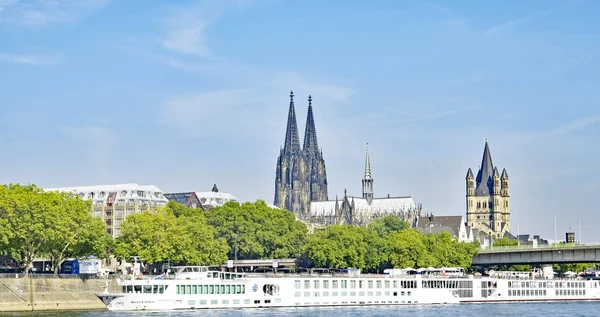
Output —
(488, 199)
(361, 210)
(300, 176)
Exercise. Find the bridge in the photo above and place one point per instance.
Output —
(527, 254)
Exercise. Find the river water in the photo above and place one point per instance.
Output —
(546, 309)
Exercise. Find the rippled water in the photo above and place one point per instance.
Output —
(549, 309)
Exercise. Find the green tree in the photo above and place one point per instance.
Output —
(28, 215)
(94, 240)
(504, 242)
(256, 231)
(409, 249)
(72, 229)
(181, 210)
(158, 236)
(152, 236)
(338, 246)
(389, 224)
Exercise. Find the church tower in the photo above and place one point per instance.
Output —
(367, 182)
(487, 198)
(315, 178)
(300, 176)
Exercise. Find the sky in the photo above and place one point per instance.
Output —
(184, 94)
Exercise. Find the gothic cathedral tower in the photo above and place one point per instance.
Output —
(300, 176)
(487, 198)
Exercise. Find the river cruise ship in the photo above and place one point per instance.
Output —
(537, 285)
(197, 287)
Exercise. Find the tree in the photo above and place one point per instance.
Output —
(72, 229)
(158, 236)
(338, 246)
(256, 231)
(28, 214)
(152, 236)
(505, 242)
(386, 225)
(409, 250)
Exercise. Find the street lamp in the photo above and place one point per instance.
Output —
(518, 234)
(235, 252)
(579, 224)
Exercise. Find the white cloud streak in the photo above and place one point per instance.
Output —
(572, 126)
(42, 60)
(44, 13)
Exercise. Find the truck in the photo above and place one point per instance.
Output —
(90, 267)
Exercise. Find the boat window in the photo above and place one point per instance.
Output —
(155, 289)
(344, 284)
(196, 269)
(137, 289)
(326, 284)
(222, 289)
(334, 284)
(205, 289)
(194, 289)
(211, 289)
(297, 284)
(227, 289)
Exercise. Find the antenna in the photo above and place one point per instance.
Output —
(486, 136)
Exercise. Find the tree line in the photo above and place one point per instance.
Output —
(35, 223)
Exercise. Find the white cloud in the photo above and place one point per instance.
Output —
(44, 60)
(96, 142)
(510, 25)
(572, 126)
(186, 35)
(42, 13)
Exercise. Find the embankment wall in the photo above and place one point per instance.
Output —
(21, 294)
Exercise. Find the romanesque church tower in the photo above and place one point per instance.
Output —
(487, 198)
(300, 175)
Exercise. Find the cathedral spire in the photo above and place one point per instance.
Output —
(311, 146)
(367, 182)
(367, 164)
(292, 141)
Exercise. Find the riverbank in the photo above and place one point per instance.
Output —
(36, 294)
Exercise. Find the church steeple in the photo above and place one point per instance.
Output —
(292, 141)
(485, 183)
(367, 182)
(311, 147)
(367, 164)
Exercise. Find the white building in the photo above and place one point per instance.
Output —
(208, 200)
(113, 203)
(214, 198)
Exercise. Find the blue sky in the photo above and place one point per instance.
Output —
(181, 94)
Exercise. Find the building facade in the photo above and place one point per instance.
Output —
(361, 210)
(300, 176)
(204, 200)
(113, 203)
(488, 207)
